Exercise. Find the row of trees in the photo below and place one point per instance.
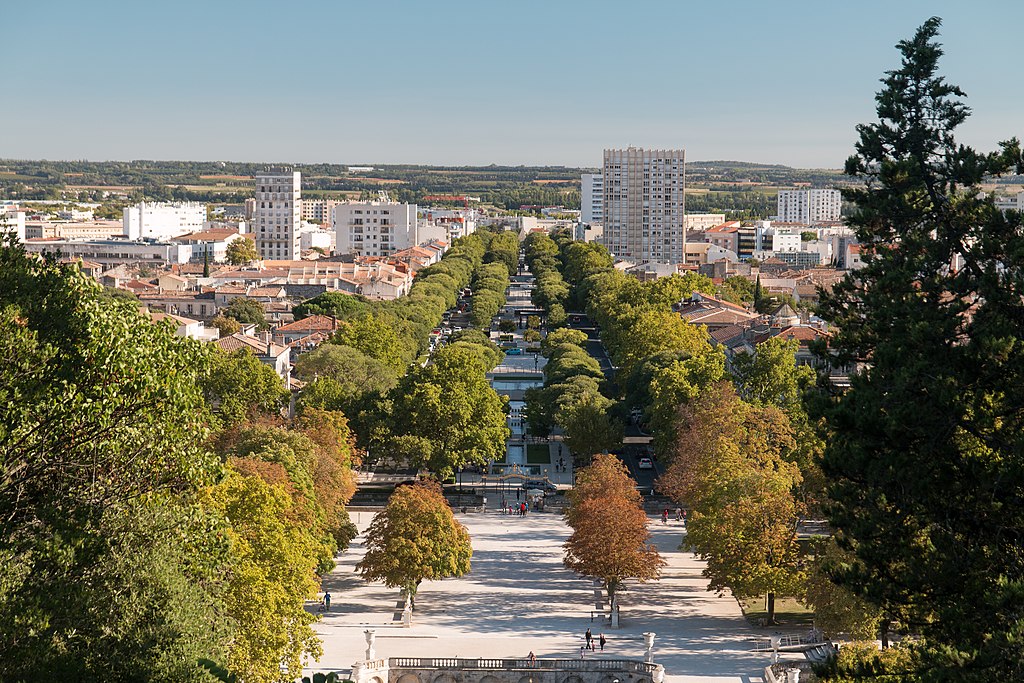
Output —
(156, 509)
(550, 291)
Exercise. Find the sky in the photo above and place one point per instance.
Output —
(508, 82)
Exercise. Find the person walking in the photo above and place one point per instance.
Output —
(589, 637)
(517, 494)
(679, 514)
(664, 516)
(533, 659)
(327, 602)
(601, 639)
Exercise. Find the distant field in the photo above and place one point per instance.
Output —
(224, 177)
(218, 188)
(557, 181)
(11, 175)
(382, 181)
(119, 188)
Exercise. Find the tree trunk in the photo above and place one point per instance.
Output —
(770, 607)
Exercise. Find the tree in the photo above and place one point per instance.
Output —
(737, 289)
(238, 386)
(589, 429)
(335, 304)
(730, 469)
(610, 541)
(771, 375)
(241, 252)
(272, 576)
(246, 311)
(102, 449)
(507, 326)
(226, 326)
(446, 415)
(415, 538)
(924, 450)
(354, 376)
(559, 337)
(374, 336)
(837, 610)
(531, 336)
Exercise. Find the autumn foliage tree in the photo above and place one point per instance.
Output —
(415, 538)
(610, 540)
(730, 469)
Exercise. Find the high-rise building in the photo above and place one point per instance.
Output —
(809, 206)
(644, 204)
(318, 210)
(592, 198)
(277, 214)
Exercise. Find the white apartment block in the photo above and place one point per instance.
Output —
(12, 220)
(592, 198)
(318, 211)
(644, 204)
(162, 220)
(277, 214)
(380, 228)
(699, 222)
(809, 206)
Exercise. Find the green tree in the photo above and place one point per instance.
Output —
(589, 428)
(610, 540)
(446, 415)
(924, 451)
(837, 611)
(354, 377)
(226, 326)
(241, 252)
(771, 375)
(238, 386)
(335, 304)
(246, 311)
(415, 538)
(101, 451)
(737, 289)
(375, 337)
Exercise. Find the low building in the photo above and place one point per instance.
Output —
(162, 220)
(110, 253)
(276, 356)
(209, 244)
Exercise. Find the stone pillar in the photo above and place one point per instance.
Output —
(649, 644)
(371, 638)
(659, 674)
(793, 676)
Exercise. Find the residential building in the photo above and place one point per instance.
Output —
(592, 198)
(162, 220)
(184, 327)
(209, 245)
(13, 221)
(318, 211)
(644, 204)
(277, 214)
(809, 206)
(380, 228)
(724, 235)
(699, 222)
(90, 230)
(315, 237)
(110, 253)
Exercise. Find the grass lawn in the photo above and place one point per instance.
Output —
(538, 454)
(788, 612)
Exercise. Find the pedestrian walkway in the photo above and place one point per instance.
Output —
(518, 598)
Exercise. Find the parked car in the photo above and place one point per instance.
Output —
(542, 484)
(514, 352)
(645, 464)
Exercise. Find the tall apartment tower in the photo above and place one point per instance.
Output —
(809, 206)
(592, 198)
(278, 214)
(644, 204)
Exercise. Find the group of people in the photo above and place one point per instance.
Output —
(515, 509)
(680, 516)
(589, 644)
(560, 465)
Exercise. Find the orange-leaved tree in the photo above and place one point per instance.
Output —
(415, 537)
(610, 540)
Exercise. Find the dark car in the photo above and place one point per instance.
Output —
(542, 484)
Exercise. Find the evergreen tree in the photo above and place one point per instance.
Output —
(926, 451)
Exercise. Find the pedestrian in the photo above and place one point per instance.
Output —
(664, 516)
(602, 640)
(522, 509)
(583, 651)
(684, 519)
(679, 514)
(533, 659)
(517, 494)
(589, 637)
(327, 602)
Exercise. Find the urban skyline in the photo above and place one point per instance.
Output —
(460, 84)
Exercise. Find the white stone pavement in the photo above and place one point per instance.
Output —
(518, 598)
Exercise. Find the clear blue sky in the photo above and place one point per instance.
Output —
(488, 81)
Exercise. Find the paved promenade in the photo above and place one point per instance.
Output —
(518, 598)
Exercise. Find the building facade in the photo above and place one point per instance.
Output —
(380, 228)
(278, 214)
(592, 198)
(644, 204)
(162, 220)
(318, 210)
(809, 206)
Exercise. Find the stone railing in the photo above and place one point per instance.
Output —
(623, 665)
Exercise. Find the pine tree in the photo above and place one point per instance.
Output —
(926, 449)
